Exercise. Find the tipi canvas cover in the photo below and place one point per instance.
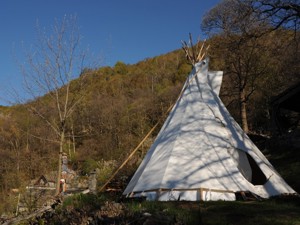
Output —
(201, 153)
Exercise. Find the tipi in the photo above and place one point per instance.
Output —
(201, 153)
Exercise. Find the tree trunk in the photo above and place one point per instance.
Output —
(62, 138)
(243, 111)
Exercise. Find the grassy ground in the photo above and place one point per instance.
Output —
(105, 210)
(269, 212)
(266, 212)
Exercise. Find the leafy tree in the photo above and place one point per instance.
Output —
(120, 68)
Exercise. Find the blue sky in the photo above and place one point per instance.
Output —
(113, 30)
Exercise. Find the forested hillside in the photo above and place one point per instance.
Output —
(120, 104)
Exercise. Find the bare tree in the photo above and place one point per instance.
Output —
(52, 65)
(279, 13)
(238, 28)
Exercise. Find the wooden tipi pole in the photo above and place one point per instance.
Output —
(193, 57)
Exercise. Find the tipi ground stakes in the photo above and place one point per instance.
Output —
(201, 153)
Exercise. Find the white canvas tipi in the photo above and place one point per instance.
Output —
(201, 153)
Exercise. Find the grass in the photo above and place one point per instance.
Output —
(167, 212)
(84, 201)
(267, 212)
(284, 211)
(276, 211)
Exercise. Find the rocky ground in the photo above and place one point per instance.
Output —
(110, 212)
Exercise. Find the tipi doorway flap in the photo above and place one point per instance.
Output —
(248, 166)
(201, 194)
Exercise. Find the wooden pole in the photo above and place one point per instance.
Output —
(131, 154)
(186, 49)
(134, 151)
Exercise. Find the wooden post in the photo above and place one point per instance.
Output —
(93, 181)
(201, 194)
(158, 193)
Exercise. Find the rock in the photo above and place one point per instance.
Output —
(146, 214)
(111, 209)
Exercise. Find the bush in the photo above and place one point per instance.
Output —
(104, 170)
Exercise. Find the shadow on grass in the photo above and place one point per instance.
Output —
(281, 210)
